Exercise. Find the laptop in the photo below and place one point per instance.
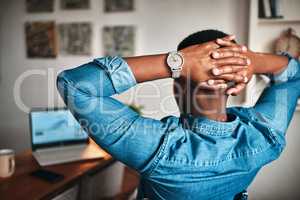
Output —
(56, 137)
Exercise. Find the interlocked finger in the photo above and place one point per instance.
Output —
(227, 54)
(213, 85)
(237, 89)
(215, 82)
(235, 48)
(232, 61)
(223, 42)
(229, 69)
(228, 38)
(233, 77)
(210, 46)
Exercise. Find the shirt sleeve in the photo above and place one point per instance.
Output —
(127, 136)
(278, 102)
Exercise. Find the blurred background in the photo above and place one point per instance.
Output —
(40, 38)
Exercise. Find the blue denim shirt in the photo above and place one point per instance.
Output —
(182, 157)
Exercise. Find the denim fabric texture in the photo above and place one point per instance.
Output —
(186, 157)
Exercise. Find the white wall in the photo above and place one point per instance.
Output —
(161, 24)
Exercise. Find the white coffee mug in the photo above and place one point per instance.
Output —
(7, 162)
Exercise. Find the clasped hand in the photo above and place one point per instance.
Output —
(214, 64)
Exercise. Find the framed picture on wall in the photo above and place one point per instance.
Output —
(75, 4)
(75, 38)
(118, 5)
(38, 6)
(41, 39)
(119, 40)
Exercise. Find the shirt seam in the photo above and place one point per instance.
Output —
(208, 131)
(209, 163)
(158, 158)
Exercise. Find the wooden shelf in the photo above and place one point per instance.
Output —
(266, 20)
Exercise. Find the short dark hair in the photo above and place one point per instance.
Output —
(201, 37)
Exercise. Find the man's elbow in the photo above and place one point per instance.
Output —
(63, 84)
(70, 86)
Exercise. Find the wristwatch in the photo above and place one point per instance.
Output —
(175, 61)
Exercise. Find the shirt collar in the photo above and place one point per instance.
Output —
(207, 126)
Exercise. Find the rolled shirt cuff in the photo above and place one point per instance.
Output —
(289, 73)
(119, 72)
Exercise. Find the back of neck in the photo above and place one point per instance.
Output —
(211, 106)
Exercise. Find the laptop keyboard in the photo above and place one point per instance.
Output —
(64, 154)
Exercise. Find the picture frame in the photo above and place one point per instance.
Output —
(118, 6)
(74, 4)
(38, 6)
(41, 41)
(119, 40)
(75, 38)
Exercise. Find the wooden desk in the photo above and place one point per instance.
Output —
(23, 186)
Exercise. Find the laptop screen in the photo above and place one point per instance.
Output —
(55, 126)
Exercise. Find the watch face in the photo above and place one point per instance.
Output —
(174, 60)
